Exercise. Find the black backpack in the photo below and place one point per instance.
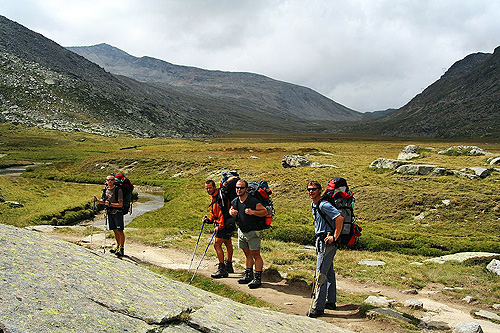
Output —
(227, 188)
(127, 187)
(261, 191)
(341, 197)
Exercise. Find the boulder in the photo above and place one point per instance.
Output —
(469, 327)
(49, 285)
(415, 169)
(409, 152)
(294, 161)
(494, 266)
(370, 262)
(480, 172)
(414, 304)
(495, 160)
(385, 163)
(461, 257)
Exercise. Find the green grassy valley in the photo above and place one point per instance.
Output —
(404, 218)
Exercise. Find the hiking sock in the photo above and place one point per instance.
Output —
(229, 266)
(257, 280)
(221, 272)
(248, 277)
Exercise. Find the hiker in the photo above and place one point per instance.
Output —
(223, 232)
(113, 200)
(248, 212)
(325, 291)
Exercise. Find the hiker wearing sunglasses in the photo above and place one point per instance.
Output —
(325, 289)
(112, 198)
(223, 231)
(248, 213)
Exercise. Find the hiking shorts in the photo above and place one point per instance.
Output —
(115, 221)
(224, 234)
(249, 240)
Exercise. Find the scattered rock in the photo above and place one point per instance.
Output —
(387, 313)
(496, 306)
(13, 204)
(319, 165)
(415, 169)
(385, 163)
(480, 172)
(469, 327)
(487, 314)
(370, 262)
(435, 325)
(294, 161)
(438, 172)
(495, 160)
(254, 157)
(494, 266)
(410, 291)
(379, 301)
(468, 299)
(414, 304)
(464, 150)
(446, 202)
(460, 257)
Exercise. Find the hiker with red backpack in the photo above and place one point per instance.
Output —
(328, 224)
(112, 198)
(249, 213)
(223, 231)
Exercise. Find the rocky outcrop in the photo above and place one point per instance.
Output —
(415, 169)
(464, 150)
(48, 285)
(294, 161)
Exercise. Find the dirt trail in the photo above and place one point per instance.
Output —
(295, 298)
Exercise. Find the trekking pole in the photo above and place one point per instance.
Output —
(202, 225)
(316, 277)
(105, 227)
(213, 235)
(92, 225)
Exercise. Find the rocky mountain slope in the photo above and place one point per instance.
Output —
(464, 102)
(46, 85)
(246, 90)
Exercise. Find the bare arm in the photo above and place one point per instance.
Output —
(259, 210)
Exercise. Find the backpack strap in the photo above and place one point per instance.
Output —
(323, 215)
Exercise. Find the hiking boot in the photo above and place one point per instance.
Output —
(247, 278)
(221, 272)
(229, 266)
(330, 306)
(119, 252)
(315, 313)
(256, 282)
(115, 249)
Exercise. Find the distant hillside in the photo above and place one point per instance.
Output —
(245, 90)
(464, 102)
(377, 114)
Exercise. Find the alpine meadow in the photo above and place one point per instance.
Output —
(404, 218)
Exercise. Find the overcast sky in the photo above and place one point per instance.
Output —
(365, 54)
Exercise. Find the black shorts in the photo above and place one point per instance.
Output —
(224, 234)
(115, 221)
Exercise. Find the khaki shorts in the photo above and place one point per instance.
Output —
(249, 240)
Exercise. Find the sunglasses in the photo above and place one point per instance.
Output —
(310, 189)
(239, 188)
(110, 180)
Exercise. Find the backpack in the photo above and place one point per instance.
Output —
(127, 188)
(341, 197)
(227, 192)
(261, 191)
(227, 188)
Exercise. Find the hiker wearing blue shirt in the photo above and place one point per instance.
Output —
(325, 288)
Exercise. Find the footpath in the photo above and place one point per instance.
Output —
(439, 311)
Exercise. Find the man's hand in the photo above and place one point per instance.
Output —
(329, 239)
(233, 212)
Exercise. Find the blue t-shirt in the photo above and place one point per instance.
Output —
(329, 211)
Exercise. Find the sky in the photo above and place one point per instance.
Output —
(367, 55)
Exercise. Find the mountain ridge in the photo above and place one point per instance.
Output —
(245, 89)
